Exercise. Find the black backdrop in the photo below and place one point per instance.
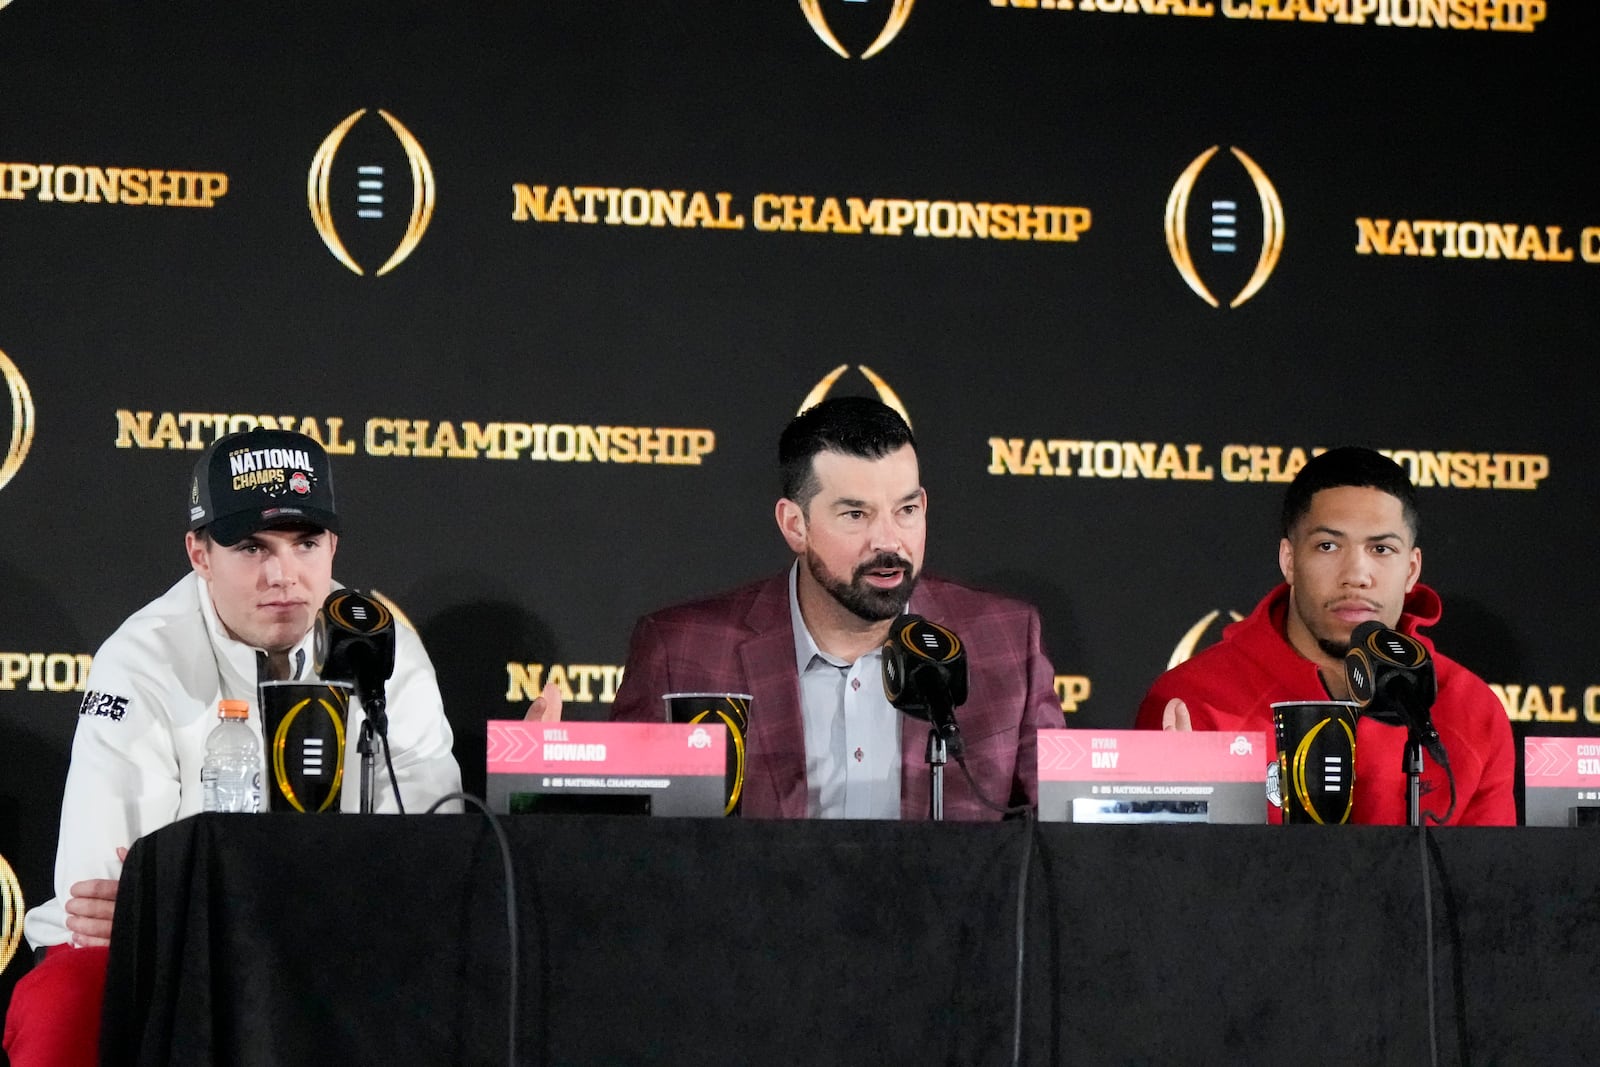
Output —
(238, 307)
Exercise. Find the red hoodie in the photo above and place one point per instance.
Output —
(1230, 685)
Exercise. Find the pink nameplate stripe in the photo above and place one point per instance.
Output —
(517, 747)
(1152, 755)
(1562, 761)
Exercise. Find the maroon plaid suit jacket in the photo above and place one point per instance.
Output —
(741, 641)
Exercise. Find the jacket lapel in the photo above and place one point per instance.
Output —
(775, 776)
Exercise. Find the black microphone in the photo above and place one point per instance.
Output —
(925, 675)
(354, 642)
(1391, 677)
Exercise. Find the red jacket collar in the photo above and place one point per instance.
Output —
(1266, 623)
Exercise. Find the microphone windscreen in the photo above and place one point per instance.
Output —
(924, 664)
(354, 639)
(1390, 675)
(1362, 633)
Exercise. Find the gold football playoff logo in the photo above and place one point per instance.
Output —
(820, 391)
(11, 912)
(371, 193)
(1225, 231)
(20, 439)
(898, 13)
(1190, 641)
(295, 736)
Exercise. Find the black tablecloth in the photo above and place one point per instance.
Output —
(381, 939)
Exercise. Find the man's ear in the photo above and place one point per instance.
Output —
(198, 549)
(792, 524)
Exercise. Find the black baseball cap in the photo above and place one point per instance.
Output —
(259, 479)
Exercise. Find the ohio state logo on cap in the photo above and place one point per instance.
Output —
(259, 478)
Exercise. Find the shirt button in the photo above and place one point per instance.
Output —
(855, 683)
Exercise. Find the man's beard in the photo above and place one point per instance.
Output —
(860, 599)
(1334, 649)
(1330, 647)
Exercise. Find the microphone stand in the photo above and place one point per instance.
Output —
(937, 753)
(943, 738)
(1420, 735)
(368, 747)
(1412, 764)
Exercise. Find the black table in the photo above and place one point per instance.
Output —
(382, 939)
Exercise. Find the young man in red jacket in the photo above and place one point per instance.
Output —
(1349, 555)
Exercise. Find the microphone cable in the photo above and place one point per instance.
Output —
(1022, 930)
(1028, 813)
(513, 992)
(983, 798)
(1449, 776)
(394, 784)
(1429, 950)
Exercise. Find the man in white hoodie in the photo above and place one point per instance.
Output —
(262, 535)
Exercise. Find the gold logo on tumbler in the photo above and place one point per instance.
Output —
(11, 912)
(1191, 639)
(1177, 221)
(421, 192)
(21, 436)
(819, 22)
(819, 392)
(736, 724)
(280, 746)
(1297, 773)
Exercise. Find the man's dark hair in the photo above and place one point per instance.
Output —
(852, 425)
(1359, 467)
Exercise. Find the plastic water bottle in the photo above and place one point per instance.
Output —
(230, 775)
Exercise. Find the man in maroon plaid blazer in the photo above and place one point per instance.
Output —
(806, 645)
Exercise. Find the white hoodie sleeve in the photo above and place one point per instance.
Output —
(123, 782)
